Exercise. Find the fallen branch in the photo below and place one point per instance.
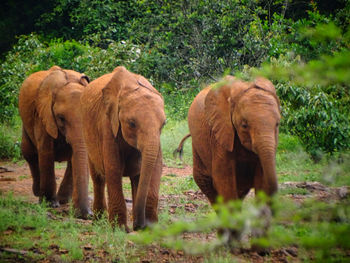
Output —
(5, 170)
(14, 251)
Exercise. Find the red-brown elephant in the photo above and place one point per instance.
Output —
(234, 129)
(52, 131)
(123, 116)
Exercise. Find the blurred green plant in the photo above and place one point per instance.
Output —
(319, 230)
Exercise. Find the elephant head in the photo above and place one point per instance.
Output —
(135, 110)
(58, 108)
(250, 113)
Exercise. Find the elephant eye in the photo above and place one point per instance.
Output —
(132, 124)
(60, 118)
(244, 124)
(277, 124)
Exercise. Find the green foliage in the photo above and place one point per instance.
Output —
(200, 39)
(13, 72)
(319, 119)
(31, 55)
(319, 230)
(73, 19)
(317, 113)
(182, 45)
(10, 135)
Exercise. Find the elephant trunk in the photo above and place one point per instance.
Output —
(80, 178)
(267, 157)
(150, 153)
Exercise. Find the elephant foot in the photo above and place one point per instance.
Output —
(63, 199)
(51, 202)
(98, 214)
(121, 226)
(262, 251)
(36, 188)
(84, 213)
(126, 229)
(138, 226)
(229, 236)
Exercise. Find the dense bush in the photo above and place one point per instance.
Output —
(317, 118)
(180, 46)
(13, 71)
(315, 94)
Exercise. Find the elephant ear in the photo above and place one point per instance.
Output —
(84, 80)
(76, 77)
(218, 110)
(265, 84)
(110, 95)
(44, 102)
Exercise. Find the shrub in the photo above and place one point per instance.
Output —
(10, 141)
(18, 62)
(316, 118)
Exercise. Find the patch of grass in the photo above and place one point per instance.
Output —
(297, 166)
(293, 191)
(10, 138)
(172, 134)
(22, 177)
(217, 258)
(177, 185)
(288, 143)
(337, 170)
(26, 226)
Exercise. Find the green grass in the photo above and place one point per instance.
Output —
(172, 134)
(10, 137)
(28, 226)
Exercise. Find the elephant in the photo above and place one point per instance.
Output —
(123, 115)
(234, 128)
(52, 131)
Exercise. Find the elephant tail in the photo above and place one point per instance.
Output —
(179, 149)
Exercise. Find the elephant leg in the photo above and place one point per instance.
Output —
(114, 167)
(98, 181)
(224, 176)
(245, 178)
(45, 145)
(204, 182)
(66, 188)
(47, 178)
(134, 184)
(30, 155)
(116, 201)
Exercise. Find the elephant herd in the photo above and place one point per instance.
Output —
(110, 128)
